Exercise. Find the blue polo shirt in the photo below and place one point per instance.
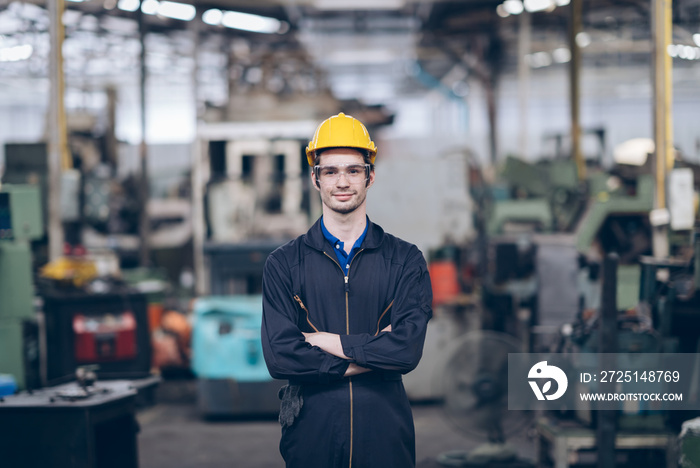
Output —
(344, 258)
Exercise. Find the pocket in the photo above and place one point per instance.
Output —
(384, 319)
(303, 307)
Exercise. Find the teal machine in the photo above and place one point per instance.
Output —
(20, 223)
(227, 358)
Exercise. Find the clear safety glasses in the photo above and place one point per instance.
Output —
(354, 173)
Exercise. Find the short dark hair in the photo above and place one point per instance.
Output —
(365, 155)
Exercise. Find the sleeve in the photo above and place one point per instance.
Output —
(401, 349)
(287, 354)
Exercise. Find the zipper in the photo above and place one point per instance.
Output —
(351, 422)
(347, 332)
(347, 328)
(298, 299)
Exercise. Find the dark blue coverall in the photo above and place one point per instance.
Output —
(363, 421)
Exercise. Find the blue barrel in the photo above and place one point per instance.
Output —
(8, 385)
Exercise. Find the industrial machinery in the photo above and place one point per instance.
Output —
(249, 197)
(227, 358)
(20, 223)
(109, 330)
(546, 234)
(90, 424)
(690, 444)
(629, 435)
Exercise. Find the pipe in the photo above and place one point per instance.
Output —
(575, 89)
(58, 158)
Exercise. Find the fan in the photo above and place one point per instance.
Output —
(475, 392)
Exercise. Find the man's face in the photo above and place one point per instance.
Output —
(342, 195)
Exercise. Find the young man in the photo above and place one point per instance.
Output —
(345, 310)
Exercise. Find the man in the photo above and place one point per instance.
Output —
(345, 310)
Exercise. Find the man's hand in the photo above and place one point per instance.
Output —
(354, 369)
(329, 342)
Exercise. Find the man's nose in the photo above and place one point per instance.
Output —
(345, 180)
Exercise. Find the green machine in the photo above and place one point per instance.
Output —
(547, 198)
(20, 223)
(544, 197)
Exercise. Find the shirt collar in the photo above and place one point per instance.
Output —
(334, 240)
(314, 236)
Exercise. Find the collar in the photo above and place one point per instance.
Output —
(334, 240)
(314, 236)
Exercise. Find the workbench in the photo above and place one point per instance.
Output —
(44, 429)
(568, 444)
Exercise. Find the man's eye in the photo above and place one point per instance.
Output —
(328, 172)
(353, 170)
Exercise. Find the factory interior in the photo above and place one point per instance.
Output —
(152, 156)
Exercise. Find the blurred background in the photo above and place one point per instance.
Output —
(544, 155)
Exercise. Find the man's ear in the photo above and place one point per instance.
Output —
(370, 181)
(315, 182)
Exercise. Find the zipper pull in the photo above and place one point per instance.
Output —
(347, 286)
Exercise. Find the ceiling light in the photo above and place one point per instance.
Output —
(178, 11)
(538, 5)
(128, 5)
(696, 39)
(561, 55)
(248, 22)
(149, 7)
(76, 1)
(539, 59)
(671, 49)
(513, 7)
(501, 11)
(583, 39)
(562, 2)
(361, 57)
(359, 4)
(213, 17)
(15, 54)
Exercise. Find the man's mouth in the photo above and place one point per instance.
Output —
(343, 196)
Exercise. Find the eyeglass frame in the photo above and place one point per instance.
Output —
(317, 169)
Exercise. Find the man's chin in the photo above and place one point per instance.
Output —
(344, 209)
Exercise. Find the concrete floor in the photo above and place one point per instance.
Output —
(174, 435)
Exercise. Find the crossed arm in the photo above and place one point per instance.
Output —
(330, 343)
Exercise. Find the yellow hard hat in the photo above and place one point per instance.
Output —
(341, 131)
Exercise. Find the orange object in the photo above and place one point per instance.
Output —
(155, 314)
(443, 279)
(177, 323)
